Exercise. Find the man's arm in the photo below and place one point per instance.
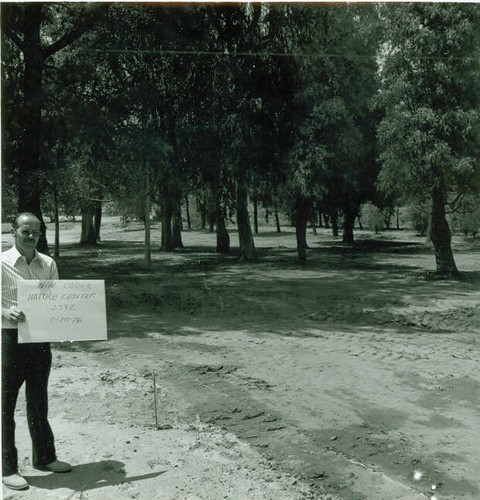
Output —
(10, 310)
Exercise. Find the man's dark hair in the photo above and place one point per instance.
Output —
(22, 214)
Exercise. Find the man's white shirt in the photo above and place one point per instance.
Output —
(16, 268)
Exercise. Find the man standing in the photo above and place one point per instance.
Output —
(29, 363)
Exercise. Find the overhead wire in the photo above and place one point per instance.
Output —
(257, 54)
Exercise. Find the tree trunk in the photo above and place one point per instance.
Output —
(320, 220)
(301, 218)
(326, 218)
(247, 246)
(387, 220)
(29, 139)
(187, 207)
(177, 224)
(57, 221)
(167, 235)
(360, 225)
(98, 218)
(314, 225)
(348, 225)
(88, 236)
(202, 208)
(255, 215)
(441, 237)
(277, 222)
(334, 220)
(148, 208)
(397, 210)
(277, 219)
(210, 207)
(223, 239)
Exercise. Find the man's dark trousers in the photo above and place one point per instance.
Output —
(29, 363)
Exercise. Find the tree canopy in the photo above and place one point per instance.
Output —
(429, 73)
(311, 109)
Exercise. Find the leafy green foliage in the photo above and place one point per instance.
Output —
(275, 97)
(467, 217)
(331, 160)
(429, 69)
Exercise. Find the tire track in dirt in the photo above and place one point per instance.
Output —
(384, 443)
(102, 421)
(329, 472)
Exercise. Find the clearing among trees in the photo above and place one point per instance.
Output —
(351, 377)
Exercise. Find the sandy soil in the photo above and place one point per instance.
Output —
(353, 377)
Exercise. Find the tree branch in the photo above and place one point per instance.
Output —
(455, 203)
(62, 4)
(91, 15)
(257, 10)
(98, 199)
(14, 38)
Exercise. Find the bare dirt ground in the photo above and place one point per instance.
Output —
(353, 377)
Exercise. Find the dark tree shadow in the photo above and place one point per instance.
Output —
(89, 476)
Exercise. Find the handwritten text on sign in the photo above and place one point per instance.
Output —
(61, 310)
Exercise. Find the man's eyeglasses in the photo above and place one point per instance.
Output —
(26, 233)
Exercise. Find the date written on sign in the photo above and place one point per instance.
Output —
(61, 310)
(66, 319)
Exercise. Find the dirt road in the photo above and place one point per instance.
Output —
(351, 378)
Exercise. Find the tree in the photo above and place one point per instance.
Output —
(38, 31)
(144, 164)
(331, 164)
(237, 28)
(429, 76)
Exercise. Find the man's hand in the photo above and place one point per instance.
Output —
(13, 314)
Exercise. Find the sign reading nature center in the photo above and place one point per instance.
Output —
(62, 310)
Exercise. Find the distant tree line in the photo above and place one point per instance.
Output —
(306, 110)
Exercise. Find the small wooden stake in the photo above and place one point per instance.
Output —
(155, 400)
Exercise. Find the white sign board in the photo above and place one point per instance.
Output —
(62, 310)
